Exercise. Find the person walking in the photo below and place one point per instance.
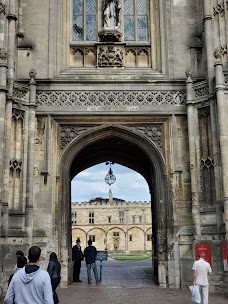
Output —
(54, 270)
(77, 257)
(200, 277)
(90, 254)
(31, 284)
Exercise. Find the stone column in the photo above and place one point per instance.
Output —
(144, 229)
(208, 30)
(31, 151)
(2, 23)
(193, 135)
(126, 235)
(3, 90)
(223, 131)
(11, 44)
(209, 43)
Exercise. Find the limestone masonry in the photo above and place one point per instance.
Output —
(115, 225)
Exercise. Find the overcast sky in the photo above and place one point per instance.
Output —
(90, 183)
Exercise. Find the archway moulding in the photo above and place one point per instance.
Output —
(156, 178)
(100, 132)
(154, 132)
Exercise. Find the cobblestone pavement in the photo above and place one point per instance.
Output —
(123, 283)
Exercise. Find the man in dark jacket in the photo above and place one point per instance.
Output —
(77, 257)
(90, 254)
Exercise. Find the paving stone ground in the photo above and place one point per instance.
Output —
(125, 283)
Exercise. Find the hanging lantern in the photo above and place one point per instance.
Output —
(110, 178)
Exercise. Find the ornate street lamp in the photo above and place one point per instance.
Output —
(110, 177)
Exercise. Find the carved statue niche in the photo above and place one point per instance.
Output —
(111, 14)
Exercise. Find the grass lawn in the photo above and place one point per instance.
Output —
(131, 256)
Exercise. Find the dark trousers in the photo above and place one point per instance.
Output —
(76, 270)
(54, 284)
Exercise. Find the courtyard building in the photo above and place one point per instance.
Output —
(112, 225)
(142, 83)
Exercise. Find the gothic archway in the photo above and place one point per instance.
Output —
(132, 149)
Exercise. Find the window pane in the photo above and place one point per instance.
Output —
(129, 20)
(129, 30)
(77, 7)
(77, 20)
(142, 28)
(129, 7)
(91, 20)
(91, 31)
(141, 7)
(142, 20)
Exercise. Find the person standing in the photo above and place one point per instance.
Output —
(54, 270)
(200, 277)
(90, 254)
(77, 257)
(31, 284)
(21, 262)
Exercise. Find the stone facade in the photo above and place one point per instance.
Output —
(72, 96)
(126, 225)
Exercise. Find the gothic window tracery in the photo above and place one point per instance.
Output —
(87, 16)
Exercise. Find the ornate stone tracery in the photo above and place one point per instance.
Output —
(219, 8)
(16, 164)
(110, 98)
(153, 132)
(17, 114)
(20, 93)
(69, 132)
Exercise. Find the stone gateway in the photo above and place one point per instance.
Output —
(146, 88)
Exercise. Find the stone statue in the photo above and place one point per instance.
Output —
(111, 14)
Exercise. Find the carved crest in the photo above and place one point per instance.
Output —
(110, 56)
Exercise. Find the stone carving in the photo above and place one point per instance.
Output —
(16, 165)
(110, 57)
(188, 72)
(2, 8)
(207, 163)
(107, 35)
(3, 54)
(202, 92)
(68, 133)
(32, 74)
(218, 53)
(153, 132)
(223, 49)
(226, 79)
(20, 93)
(218, 9)
(110, 98)
(17, 114)
(111, 14)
